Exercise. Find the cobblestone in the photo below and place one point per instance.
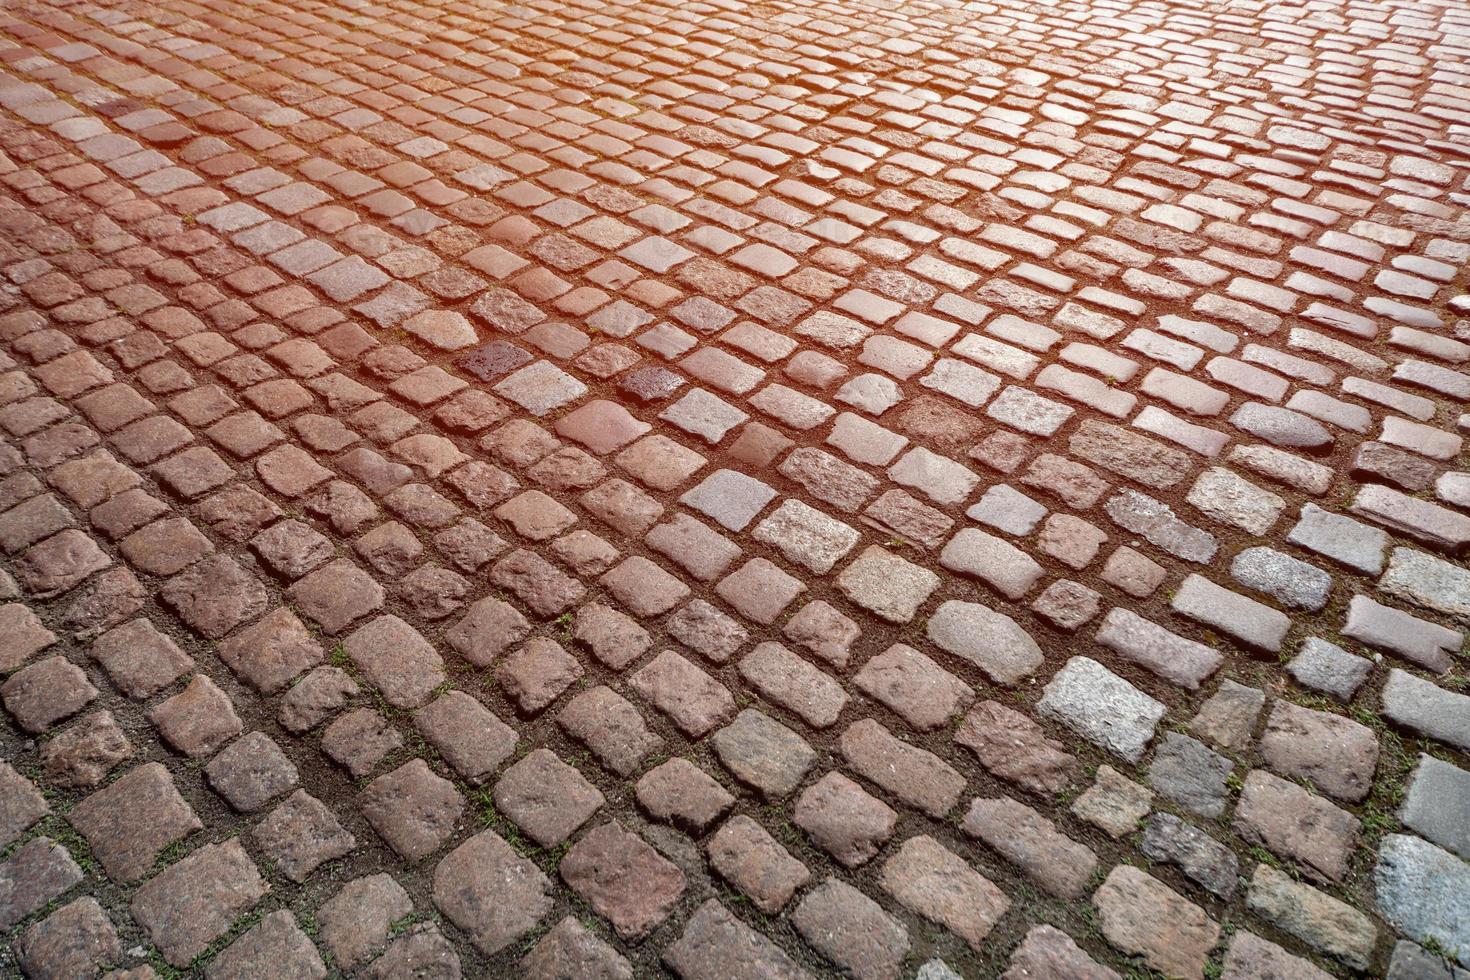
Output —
(851, 930)
(1190, 774)
(1315, 918)
(1336, 754)
(1016, 749)
(623, 878)
(75, 940)
(196, 900)
(32, 877)
(1169, 840)
(1130, 903)
(1102, 707)
(1422, 891)
(931, 881)
(570, 949)
(1030, 841)
(301, 834)
(487, 890)
(412, 808)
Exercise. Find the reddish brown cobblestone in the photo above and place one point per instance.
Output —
(780, 490)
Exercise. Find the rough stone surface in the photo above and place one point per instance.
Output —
(1297, 825)
(1173, 657)
(1191, 774)
(998, 563)
(1437, 804)
(140, 660)
(108, 819)
(21, 804)
(678, 792)
(1340, 538)
(695, 702)
(1328, 668)
(1252, 623)
(851, 930)
(251, 771)
(843, 819)
(1318, 920)
(421, 950)
(715, 944)
(570, 949)
(990, 640)
(934, 883)
(1030, 841)
(1429, 582)
(74, 941)
(610, 726)
(1425, 893)
(357, 920)
(763, 753)
(785, 679)
(623, 879)
(914, 686)
(275, 946)
(1015, 748)
(1291, 582)
(1102, 707)
(1411, 961)
(1385, 628)
(887, 585)
(467, 734)
(546, 797)
(1426, 708)
(1223, 495)
(1249, 957)
(191, 903)
(36, 873)
(1169, 840)
(1142, 916)
(420, 422)
(301, 834)
(1113, 803)
(1157, 524)
(753, 861)
(490, 892)
(1227, 719)
(1047, 953)
(414, 809)
(915, 776)
(1336, 754)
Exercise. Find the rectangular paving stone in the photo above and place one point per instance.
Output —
(1426, 708)
(127, 846)
(1102, 707)
(790, 682)
(35, 874)
(716, 945)
(693, 700)
(193, 902)
(925, 877)
(748, 857)
(623, 879)
(1174, 658)
(1253, 623)
(916, 777)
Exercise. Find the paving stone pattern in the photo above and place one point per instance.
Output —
(729, 489)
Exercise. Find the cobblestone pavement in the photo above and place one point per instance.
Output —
(734, 490)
